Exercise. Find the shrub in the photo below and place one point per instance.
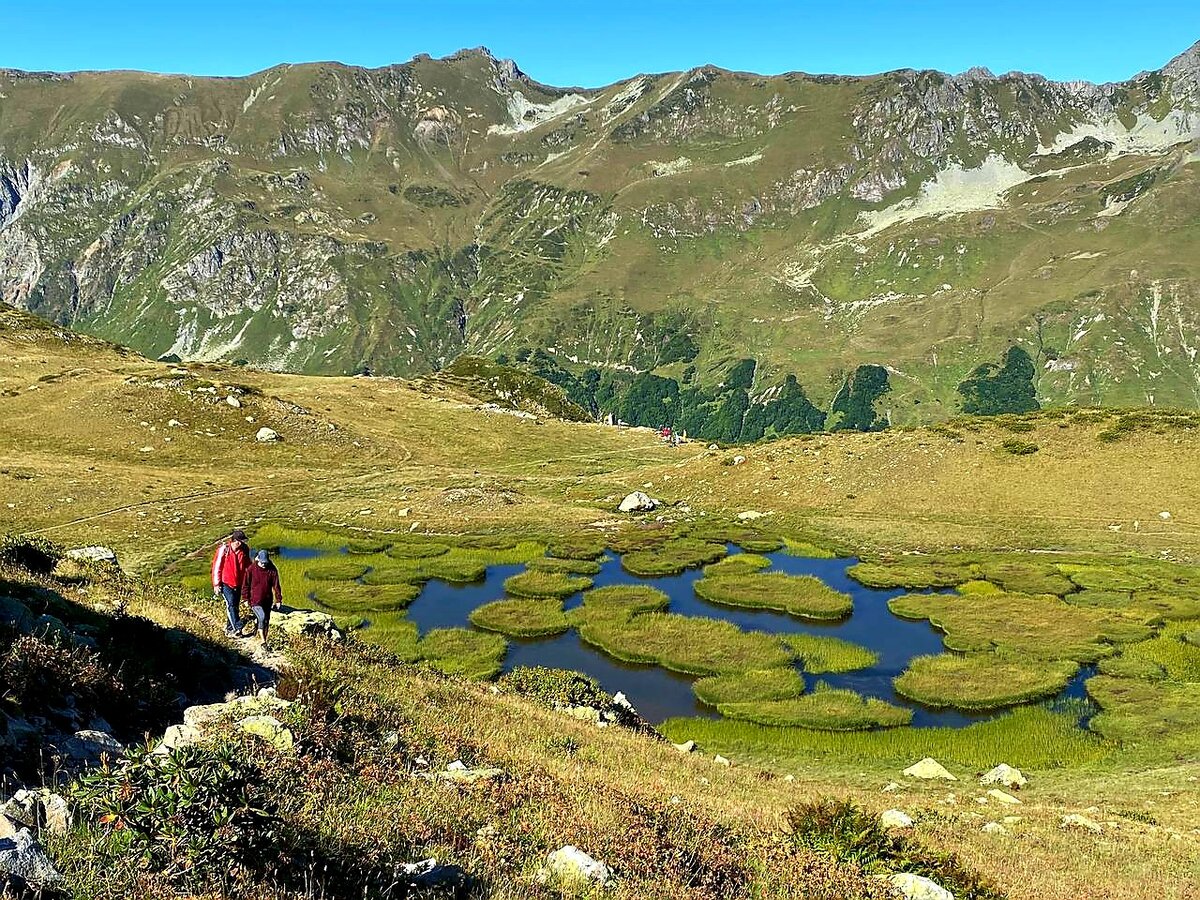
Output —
(1018, 447)
(39, 676)
(36, 554)
(187, 814)
(552, 686)
(850, 834)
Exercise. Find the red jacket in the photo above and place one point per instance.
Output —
(261, 585)
(229, 565)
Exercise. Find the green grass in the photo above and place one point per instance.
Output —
(1178, 659)
(460, 651)
(797, 547)
(1027, 577)
(1104, 578)
(536, 583)
(743, 687)
(335, 570)
(672, 557)
(1158, 719)
(911, 573)
(804, 596)
(1042, 626)
(690, 644)
(624, 598)
(820, 653)
(567, 566)
(416, 550)
(1028, 737)
(823, 709)
(580, 545)
(635, 538)
(982, 680)
(738, 564)
(522, 618)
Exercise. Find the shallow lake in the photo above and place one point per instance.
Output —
(659, 693)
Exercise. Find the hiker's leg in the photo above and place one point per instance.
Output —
(231, 608)
(266, 622)
(260, 625)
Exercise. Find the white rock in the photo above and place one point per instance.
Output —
(1074, 820)
(97, 554)
(738, 460)
(685, 747)
(891, 787)
(997, 794)
(178, 736)
(750, 515)
(721, 761)
(895, 818)
(994, 828)
(267, 436)
(1165, 516)
(570, 864)
(1005, 775)
(93, 746)
(233, 401)
(928, 768)
(917, 887)
(174, 423)
(638, 502)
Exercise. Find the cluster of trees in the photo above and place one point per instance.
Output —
(993, 389)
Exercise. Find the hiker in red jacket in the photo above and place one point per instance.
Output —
(229, 566)
(261, 588)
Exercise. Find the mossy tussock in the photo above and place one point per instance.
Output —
(350, 597)
(1039, 626)
(689, 644)
(522, 618)
(629, 540)
(578, 546)
(536, 583)
(624, 599)
(562, 564)
(417, 550)
(916, 574)
(738, 564)
(823, 709)
(756, 684)
(672, 557)
(336, 570)
(824, 654)
(453, 651)
(804, 596)
(977, 681)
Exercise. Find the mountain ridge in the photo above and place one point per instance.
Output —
(324, 218)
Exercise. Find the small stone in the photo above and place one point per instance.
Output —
(750, 515)
(895, 819)
(917, 887)
(1012, 820)
(929, 768)
(570, 864)
(92, 747)
(738, 460)
(997, 794)
(1083, 823)
(174, 423)
(233, 401)
(267, 436)
(1006, 776)
(97, 554)
(891, 787)
(721, 760)
(1165, 516)
(994, 828)
(685, 747)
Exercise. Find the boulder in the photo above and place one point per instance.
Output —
(997, 794)
(178, 736)
(917, 887)
(895, 819)
(9, 827)
(90, 748)
(721, 760)
(267, 436)
(306, 622)
(570, 864)
(1083, 823)
(97, 554)
(638, 502)
(928, 769)
(428, 873)
(15, 613)
(685, 747)
(1005, 776)
(233, 401)
(750, 515)
(22, 857)
(270, 729)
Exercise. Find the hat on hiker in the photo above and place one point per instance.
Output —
(238, 535)
(261, 558)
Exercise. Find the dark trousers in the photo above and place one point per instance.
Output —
(233, 597)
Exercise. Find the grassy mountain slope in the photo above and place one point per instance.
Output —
(323, 218)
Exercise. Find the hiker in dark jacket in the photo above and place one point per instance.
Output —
(262, 590)
(229, 566)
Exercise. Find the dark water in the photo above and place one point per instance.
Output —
(659, 693)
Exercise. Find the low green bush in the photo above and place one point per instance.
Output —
(916, 574)
(624, 598)
(799, 595)
(351, 597)
(555, 686)
(1018, 447)
(849, 834)
(30, 552)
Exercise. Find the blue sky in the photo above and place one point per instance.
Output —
(589, 43)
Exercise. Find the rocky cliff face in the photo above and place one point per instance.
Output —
(324, 218)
